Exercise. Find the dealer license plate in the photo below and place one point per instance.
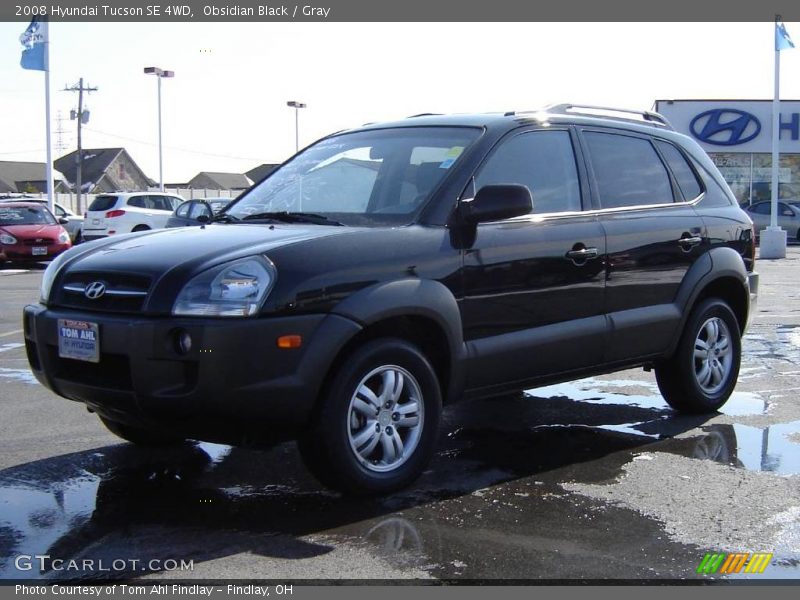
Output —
(79, 340)
(39, 251)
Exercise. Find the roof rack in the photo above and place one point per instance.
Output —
(644, 116)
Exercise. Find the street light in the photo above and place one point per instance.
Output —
(296, 106)
(160, 73)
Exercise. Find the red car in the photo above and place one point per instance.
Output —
(29, 232)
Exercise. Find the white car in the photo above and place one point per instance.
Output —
(113, 214)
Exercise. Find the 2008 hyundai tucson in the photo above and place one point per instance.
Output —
(385, 271)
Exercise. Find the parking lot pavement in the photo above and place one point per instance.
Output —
(595, 479)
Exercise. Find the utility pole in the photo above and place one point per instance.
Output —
(60, 144)
(82, 118)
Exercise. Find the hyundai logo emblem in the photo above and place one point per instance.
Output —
(94, 290)
(725, 127)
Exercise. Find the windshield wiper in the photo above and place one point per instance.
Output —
(223, 218)
(293, 217)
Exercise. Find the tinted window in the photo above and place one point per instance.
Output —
(684, 174)
(628, 171)
(762, 208)
(138, 202)
(103, 203)
(715, 196)
(199, 209)
(543, 161)
(161, 203)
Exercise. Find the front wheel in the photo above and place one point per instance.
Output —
(377, 425)
(700, 377)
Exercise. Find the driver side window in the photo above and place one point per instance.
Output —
(544, 162)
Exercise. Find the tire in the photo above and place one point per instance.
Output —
(78, 238)
(702, 384)
(140, 437)
(357, 447)
(140, 228)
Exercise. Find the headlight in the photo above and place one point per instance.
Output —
(235, 289)
(7, 239)
(63, 237)
(50, 275)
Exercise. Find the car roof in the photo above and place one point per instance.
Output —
(565, 114)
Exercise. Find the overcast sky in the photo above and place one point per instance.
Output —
(225, 110)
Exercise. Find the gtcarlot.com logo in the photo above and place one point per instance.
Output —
(44, 562)
(737, 562)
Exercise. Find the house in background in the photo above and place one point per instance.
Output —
(207, 180)
(27, 178)
(105, 170)
(261, 171)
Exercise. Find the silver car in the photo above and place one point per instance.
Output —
(788, 217)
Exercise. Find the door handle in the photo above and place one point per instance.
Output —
(582, 254)
(687, 243)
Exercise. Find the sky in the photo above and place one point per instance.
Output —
(225, 110)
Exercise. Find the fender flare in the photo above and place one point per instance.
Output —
(408, 298)
(717, 263)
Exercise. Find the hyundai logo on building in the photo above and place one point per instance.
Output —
(725, 127)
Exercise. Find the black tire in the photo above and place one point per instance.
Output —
(140, 437)
(78, 238)
(330, 447)
(683, 380)
(140, 228)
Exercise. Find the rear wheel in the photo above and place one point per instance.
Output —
(377, 426)
(140, 228)
(139, 436)
(701, 375)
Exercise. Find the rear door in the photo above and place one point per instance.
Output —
(161, 209)
(653, 236)
(533, 285)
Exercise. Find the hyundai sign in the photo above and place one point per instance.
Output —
(734, 125)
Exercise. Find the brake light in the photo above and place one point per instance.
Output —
(114, 213)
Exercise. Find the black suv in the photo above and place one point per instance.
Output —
(385, 271)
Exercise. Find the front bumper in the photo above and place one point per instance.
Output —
(22, 253)
(234, 385)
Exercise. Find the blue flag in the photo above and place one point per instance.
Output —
(782, 39)
(33, 40)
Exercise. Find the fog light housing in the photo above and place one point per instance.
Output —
(183, 341)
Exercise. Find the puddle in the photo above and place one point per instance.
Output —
(23, 375)
(769, 449)
(613, 392)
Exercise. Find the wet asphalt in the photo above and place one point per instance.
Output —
(596, 479)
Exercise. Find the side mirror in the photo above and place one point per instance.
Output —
(203, 219)
(498, 202)
(63, 221)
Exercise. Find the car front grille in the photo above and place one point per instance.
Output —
(39, 242)
(124, 293)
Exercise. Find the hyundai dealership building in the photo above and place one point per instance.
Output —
(737, 134)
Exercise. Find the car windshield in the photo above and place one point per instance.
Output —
(380, 177)
(25, 215)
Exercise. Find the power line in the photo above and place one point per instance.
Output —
(130, 139)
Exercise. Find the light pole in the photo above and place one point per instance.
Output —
(296, 106)
(160, 73)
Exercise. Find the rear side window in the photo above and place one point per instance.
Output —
(138, 202)
(684, 174)
(103, 203)
(761, 209)
(544, 161)
(628, 171)
(715, 196)
(161, 203)
(183, 210)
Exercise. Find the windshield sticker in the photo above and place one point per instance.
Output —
(451, 157)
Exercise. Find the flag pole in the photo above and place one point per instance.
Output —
(773, 238)
(49, 167)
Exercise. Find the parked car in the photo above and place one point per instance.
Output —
(384, 271)
(30, 233)
(118, 213)
(73, 223)
(788, 217)
(194, 212)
